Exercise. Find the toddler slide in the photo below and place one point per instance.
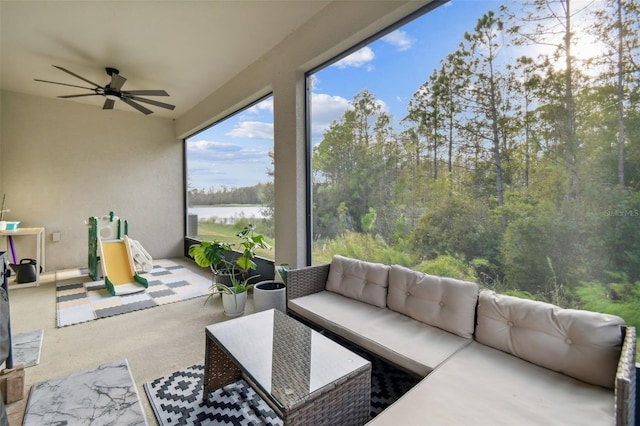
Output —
(118, 270)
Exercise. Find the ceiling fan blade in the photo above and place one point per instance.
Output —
(146, 92)
(76, 75)
(152, 102)
(137, 106)
(63, 84)
(77, 96)
(117, 81)
(108, 104)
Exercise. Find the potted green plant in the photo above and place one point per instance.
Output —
(249, 244)
(213, 254)
(234, 297)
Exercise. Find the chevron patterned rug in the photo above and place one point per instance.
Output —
(176, 399)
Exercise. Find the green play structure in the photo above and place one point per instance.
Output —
(113, 250)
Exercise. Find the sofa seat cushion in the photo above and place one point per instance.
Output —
(446, 303)
(359, 280)
(565, 340)
(484, 386)
(410, 344)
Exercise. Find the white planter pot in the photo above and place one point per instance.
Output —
(234, 304)
(269, 295)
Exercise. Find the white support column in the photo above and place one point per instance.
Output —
(290, 169)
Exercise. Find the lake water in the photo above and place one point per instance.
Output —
(227, 214)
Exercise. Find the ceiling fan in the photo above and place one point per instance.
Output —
(112, 91)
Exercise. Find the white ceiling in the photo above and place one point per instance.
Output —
(188, 48)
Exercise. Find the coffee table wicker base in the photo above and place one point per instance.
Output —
(346, 401)
(219, 368)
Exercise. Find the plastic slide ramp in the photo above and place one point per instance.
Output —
(118, 270)
(141, 259)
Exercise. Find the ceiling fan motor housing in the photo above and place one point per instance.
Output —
(109, 93)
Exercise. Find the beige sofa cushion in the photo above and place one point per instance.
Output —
(410, 344)
(445, 303)
(359, 280)
(581, 344)
(483, 386)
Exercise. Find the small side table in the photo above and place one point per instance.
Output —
(38, 233)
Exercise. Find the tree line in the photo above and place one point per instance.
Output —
(525, 168)
(225, 195)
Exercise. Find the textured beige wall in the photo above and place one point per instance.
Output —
(63, 162)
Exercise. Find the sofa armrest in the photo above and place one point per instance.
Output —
(306, 281)
(625, 387)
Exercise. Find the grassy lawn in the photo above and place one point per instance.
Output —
(208, 231)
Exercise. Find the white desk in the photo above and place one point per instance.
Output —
(38, 233)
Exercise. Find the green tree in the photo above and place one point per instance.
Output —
(356, 162)
(426, 112)
(616, 25)
(550, 23)
(459, 226)
(485, 98)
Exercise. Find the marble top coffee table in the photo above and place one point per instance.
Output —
(304, 376)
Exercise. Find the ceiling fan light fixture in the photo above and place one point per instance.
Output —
(112, 91)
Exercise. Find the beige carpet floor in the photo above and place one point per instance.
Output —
(155, 341)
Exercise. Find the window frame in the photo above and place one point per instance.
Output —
(189, 241)
(308, 108)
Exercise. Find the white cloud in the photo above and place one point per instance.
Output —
(214, 163)
(221, 151)
(357, 59)
(314, 82)
(384, 107)
(400, 39)
(325, 109)
(265, 105)
(252, 130)
(204, 147)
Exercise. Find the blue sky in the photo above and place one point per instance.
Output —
(216, 155)
(233, 153)
(392, 68)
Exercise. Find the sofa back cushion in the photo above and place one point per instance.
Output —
(360, 280)
(445, 303)
(581, 344)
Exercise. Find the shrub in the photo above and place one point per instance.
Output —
(461, 227)
(364, 247)
(447, 266)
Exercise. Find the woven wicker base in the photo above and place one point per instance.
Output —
(344, 401)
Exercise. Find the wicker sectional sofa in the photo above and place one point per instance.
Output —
(486, 358)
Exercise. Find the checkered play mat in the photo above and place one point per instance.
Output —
(176, 399)
(169, 282)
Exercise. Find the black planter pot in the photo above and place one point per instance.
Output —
(224, 277)
(270, 285)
